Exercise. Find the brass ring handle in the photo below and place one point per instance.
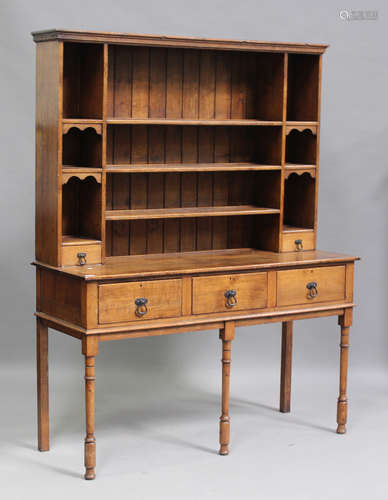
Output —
(141, 306)
(231, 299)
(312, 287)
(81, 258)
(299, 245)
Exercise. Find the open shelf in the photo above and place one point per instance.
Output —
(198, 167)
(155, 145)
(158, 236)
(82, 148)
(82, 80)
(301, 148)
(159, 83)
(81, 210)
(299, 202)
(173, 213)
(192, 190)
(303, 84)
(167, 212)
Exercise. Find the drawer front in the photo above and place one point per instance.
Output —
(120, 302)
(246, 291)
(70, 254)
(307, 286)
(293, 242)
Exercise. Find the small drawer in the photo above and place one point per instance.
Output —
(293, 242)
(229, 293)
(75, 255)
(307, 286)
(141, 300)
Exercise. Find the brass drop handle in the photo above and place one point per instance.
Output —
(141, 306)
(81, 258)
(299, 245)
(312, 287)
(231, 299)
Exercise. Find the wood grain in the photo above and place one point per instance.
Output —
(117, 301)
(292, 285)
(209, 292)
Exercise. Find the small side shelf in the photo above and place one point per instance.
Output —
(81, 124)
(68, 171)
(82, 145)
(69, 240)
(303, 85)
(82, 80)
(301, 147)
(291, 168)
(294, 229)
(81, 220)
(172, 213)
(299, 201)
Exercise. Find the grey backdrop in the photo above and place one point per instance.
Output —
(353, 207)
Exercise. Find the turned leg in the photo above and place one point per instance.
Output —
(90, 347)
(226, 335)
(345, 322)
(42, 386)
(286, 367)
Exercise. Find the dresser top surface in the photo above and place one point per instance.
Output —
(215, 261)
(175, 41)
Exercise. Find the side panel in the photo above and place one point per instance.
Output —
(60, 296)
(48, 151)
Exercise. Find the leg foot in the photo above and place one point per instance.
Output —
(341, 429)
(286, 367)
(42, 386)
(226, 335)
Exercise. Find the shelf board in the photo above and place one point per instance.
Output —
(294, 229)
(81, 172)
(81, 124)
(174, 213)
(195, 167)
(181, 121)
(298, 166)
(301, 123)
(69, 169)
(82, 120)
(68, 240)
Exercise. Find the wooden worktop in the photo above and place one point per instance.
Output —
(199, 262)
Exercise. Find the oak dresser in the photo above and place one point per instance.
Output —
(176, 191)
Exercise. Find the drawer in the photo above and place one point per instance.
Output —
(246, 291)
(121, 302)
(307, 286)
(303, 240)
(70, 254)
